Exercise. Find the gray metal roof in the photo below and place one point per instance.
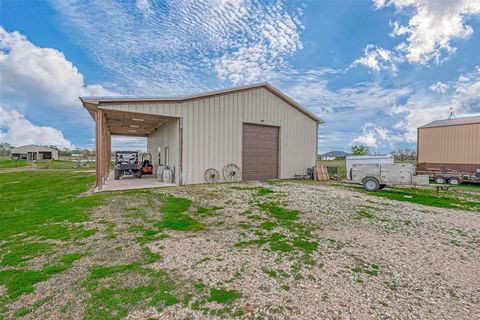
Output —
(31, 148)
(452, 122)
(280, 94)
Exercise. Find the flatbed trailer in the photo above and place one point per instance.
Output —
(452, 177)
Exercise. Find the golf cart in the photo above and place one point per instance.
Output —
(126, 163)
(147, 167)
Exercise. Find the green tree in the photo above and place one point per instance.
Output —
(359, 150)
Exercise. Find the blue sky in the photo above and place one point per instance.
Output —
(374, 70)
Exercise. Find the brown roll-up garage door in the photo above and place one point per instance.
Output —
(260, 152)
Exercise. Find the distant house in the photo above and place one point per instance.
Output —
(34, 152)
(332, 155)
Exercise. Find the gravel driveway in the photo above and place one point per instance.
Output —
(284, 250)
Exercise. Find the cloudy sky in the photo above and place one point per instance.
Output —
(374, 70)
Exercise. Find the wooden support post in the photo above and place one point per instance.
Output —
(98, 176)
(105, 150)
(100, 146)
(109, 152)
(105, 147)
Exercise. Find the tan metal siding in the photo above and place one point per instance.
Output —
(213, 130)
(165, 136)
(449, 144)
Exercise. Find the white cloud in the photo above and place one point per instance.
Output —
(379, 117)
(377, 58)
(43, 83)
(345, 110)
(422, 107)
(272, 37)
(374, 136)
(17, 130)
(312, 89)
(439, 87)
(367, 139)
(431, 27)
(122, 143)
(39, 76)
(144, 6)
(176, 51)
(467, 89)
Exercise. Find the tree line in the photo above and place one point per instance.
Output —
(398, 155)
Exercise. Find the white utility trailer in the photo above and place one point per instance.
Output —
(376, 176)
(366, 159)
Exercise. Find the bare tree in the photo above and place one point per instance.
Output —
(404, 155)
(5, 148)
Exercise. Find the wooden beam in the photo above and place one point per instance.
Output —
(115, 133)
(98, 174)
(101, 147)
(109, 152)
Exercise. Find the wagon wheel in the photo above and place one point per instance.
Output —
(212, 176)
(231, 173)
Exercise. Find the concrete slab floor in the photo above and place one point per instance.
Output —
(130, 182)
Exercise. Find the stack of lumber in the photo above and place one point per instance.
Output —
(321, 173)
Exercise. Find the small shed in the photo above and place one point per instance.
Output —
(451, 144)
(259, 129)
(34, 152)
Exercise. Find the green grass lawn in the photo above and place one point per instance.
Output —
(453, 199)
(39, 207)
(459, 197)
(55, 164)
(33, 200)
(6, 163)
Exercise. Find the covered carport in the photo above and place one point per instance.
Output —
(109, 123)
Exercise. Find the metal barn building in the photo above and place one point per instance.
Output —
(257, 127)
(34, 152)
(449, 144)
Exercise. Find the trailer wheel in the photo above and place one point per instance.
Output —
(440, 180)
(371, 184)
(454, 181)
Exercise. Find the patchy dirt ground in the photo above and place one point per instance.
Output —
(283, 250)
